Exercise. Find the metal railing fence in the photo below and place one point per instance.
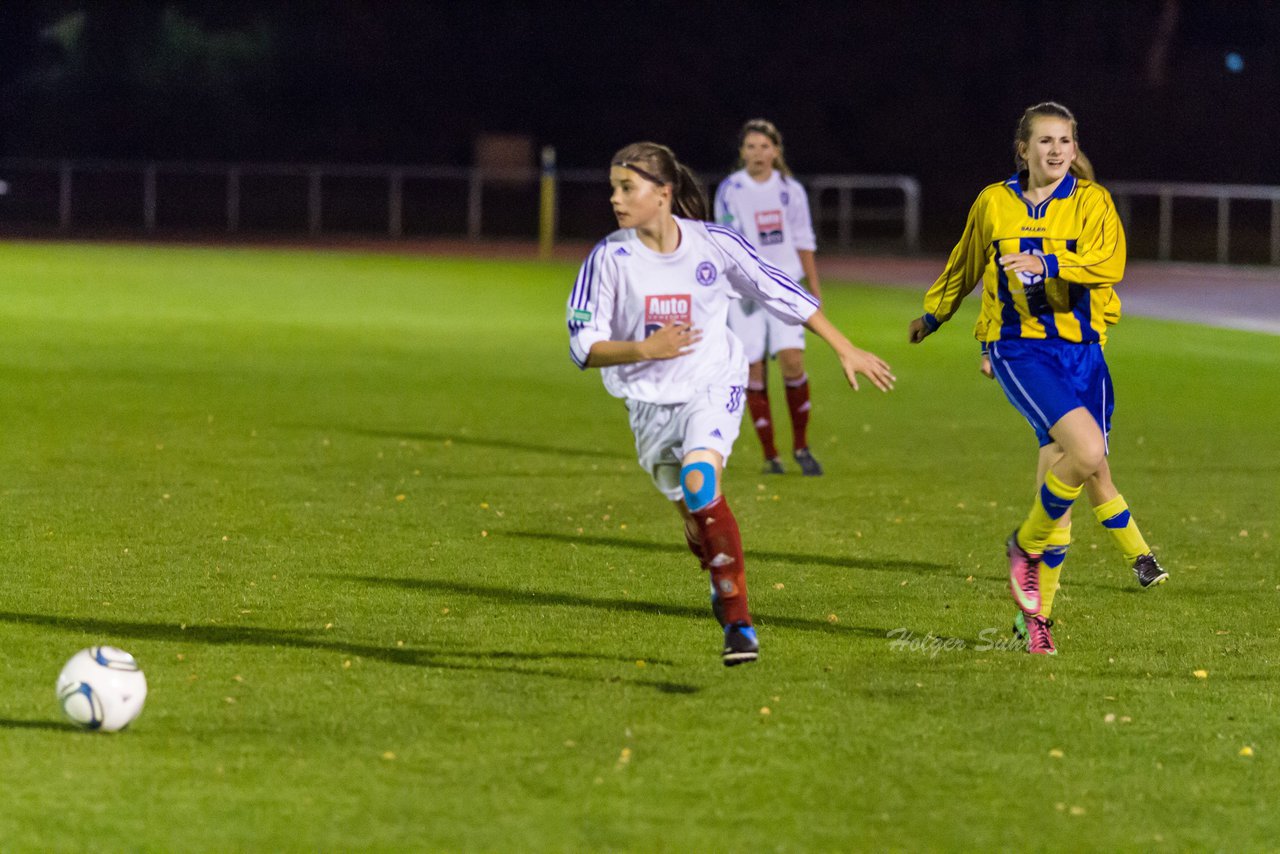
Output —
(398, 201)
(1125, 192)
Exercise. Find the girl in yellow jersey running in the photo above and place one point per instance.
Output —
(1048, 248)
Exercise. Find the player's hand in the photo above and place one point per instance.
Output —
(1025, 262)
(918, 330)
(871, 366)
(985, 367)
(671, 341)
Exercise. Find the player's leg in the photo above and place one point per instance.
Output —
(1036, 629)
(659, 434)
(1038, 378)
(1083, 451)
(1112, 511)
(747, 322)
(796, 381)
(762, 416)
(700, 475)
(693, 538)
(1055, 552)
(786, 344)
(710, 430)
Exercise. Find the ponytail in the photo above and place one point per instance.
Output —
(1081, 167)
(687, 198)
(658, 164)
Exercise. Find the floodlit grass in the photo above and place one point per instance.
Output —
(397, 582)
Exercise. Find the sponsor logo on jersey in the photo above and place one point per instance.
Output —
(664, 309)
(769, 227)
(621, 252)
(706, 273)
(1038, 229)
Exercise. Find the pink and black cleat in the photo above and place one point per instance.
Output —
(1024, 576)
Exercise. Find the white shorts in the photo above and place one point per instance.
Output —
(666, 432)
(757, 329)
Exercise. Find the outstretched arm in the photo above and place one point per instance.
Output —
(854, 360)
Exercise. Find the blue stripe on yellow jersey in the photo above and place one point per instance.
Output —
(1080, 236)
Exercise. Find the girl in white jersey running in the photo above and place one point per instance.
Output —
(649, 309)
(765, 204)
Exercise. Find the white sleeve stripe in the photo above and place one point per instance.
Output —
(772, 272)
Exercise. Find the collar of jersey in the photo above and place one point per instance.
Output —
(1064, 189)
(644, 251)
(774, 177)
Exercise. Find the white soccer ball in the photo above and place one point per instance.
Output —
(102, 688)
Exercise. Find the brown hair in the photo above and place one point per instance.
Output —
(1080, 167)
(769, 129)
(658, 164)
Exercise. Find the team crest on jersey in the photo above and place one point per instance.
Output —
(786, 198)
(769, 227)
(663, 309)
(706, 273)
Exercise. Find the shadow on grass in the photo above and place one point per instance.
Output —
(840, 562)
(54, 726)
(511, 596)
(471, 660)
(573, 451)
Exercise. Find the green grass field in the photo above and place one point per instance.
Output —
(397, 582)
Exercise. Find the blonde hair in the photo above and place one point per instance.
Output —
(770, 130)
(1080, 167)
(658, 164)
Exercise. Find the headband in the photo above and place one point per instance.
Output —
(643, 173)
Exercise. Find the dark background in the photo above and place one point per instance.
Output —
(927, 89)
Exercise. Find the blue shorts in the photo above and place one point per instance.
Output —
(1046, 379)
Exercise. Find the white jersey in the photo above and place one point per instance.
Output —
(773, 215)
(626, 291)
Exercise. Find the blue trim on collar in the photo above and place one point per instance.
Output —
(1065, 188)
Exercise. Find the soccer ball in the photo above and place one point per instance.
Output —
(102, 688)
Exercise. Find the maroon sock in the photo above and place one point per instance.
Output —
(723, 544)
(798, 403)
(758, 406)
(695, 546)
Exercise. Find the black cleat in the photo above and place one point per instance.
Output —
(808, 465)
(740, 644)
(773, 466)
(1148, 571)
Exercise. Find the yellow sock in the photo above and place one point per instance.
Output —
(1114, 516)
(1055, 552)
(1053, 499)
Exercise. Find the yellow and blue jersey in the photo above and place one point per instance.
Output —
(1079, 234)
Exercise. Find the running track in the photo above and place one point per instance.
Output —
(1229, 297)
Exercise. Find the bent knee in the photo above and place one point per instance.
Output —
(1089, 457)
